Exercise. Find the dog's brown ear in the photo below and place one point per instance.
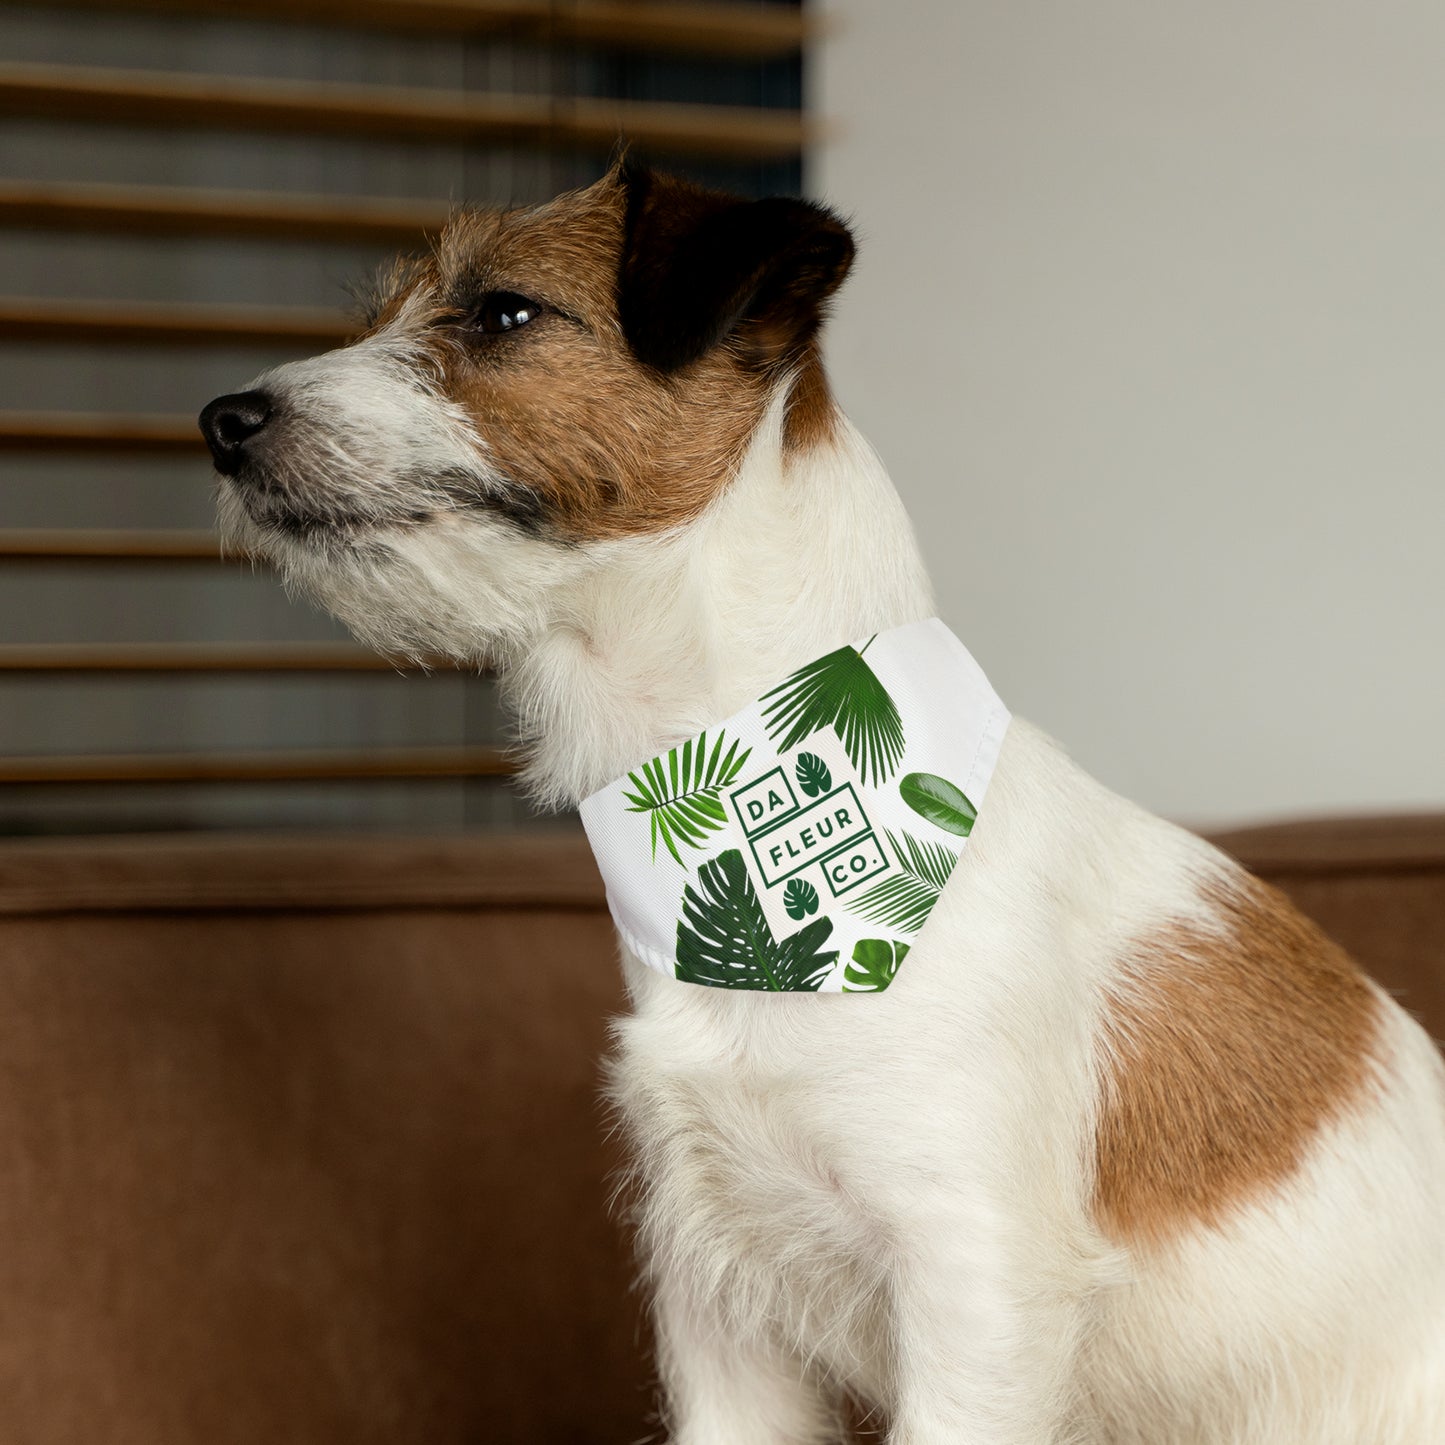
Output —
(699, 266)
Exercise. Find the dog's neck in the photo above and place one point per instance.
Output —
(668, 635)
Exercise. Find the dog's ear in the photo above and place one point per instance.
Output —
(699, 266)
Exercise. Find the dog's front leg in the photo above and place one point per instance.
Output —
(985, 1345)
(723, 1388)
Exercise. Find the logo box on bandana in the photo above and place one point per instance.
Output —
(800, 845)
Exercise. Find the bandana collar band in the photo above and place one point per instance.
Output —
(800, 845)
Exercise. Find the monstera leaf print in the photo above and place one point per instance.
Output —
(905, 900)
(800, 898)
(842, 692)
(679, 792)
(724, 940)
(813, 775)
(875, 961)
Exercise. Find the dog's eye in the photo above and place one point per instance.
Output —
(504, 311)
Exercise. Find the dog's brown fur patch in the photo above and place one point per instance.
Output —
(607, 446)
(812, 417)
(1225, 1054)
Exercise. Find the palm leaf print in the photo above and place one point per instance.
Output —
(724, 940)
(679, 792)
(842, 692)
(905, 900)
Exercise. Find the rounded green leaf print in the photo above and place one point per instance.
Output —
(800, 898)
(939, 801)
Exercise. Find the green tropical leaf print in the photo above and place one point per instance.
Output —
(842, 692)
(724, 940)
(813, 775)
(800, 898)
(875, 961)
(679, 792)
(940, 802)
(905, 900)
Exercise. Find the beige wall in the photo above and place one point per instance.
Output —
(1149, 323)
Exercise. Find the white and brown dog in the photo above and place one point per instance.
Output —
(1130, 1153)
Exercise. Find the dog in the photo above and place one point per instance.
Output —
(1129, 1153)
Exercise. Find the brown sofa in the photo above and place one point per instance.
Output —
(301, 1138)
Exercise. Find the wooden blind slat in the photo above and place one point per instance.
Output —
(755, 32)
(708, 29)
(79, 431)
(170, 323)
(259, 767)
(76, 544)
(216, 102)
(175, 210)
(133, 657)
(98, 432)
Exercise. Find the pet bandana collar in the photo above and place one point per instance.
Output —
(801, 845)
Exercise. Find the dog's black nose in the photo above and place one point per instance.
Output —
(229, 422)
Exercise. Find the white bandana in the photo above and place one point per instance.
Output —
(801, 845)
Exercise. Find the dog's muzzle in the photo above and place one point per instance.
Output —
(230, 422)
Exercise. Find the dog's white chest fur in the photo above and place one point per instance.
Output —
(812, 1146)
(760, 1203)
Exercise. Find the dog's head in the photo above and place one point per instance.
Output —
(547, 382)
